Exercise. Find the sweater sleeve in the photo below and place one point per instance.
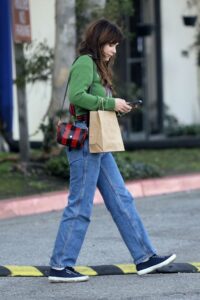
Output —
(80, 81)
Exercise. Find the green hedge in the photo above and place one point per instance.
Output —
(135, 170)
(183, 130)
(58, 166)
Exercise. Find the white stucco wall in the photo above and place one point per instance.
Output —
(180, 74)
(38, 95)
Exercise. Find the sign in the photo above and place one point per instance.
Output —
(21, 21)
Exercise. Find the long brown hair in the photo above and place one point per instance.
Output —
(97, 35)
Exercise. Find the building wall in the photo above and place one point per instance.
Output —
(180, 74)
(38, 94)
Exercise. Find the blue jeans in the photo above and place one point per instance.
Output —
(88, 171)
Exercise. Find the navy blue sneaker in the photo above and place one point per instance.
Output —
(155, 262)
(66, 275)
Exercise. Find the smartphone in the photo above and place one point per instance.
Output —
(135, 103)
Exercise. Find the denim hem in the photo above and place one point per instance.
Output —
(140, 260)
(59, 266)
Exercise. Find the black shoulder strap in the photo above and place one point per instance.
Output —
(65, 94)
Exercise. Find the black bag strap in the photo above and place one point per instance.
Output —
(65, 94)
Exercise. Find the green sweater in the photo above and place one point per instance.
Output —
(85, 89)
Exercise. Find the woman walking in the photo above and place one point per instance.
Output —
(90, 88)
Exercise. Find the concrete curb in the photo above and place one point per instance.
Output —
(118, 269)
(57, 200)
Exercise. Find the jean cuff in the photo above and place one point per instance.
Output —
(147, 256)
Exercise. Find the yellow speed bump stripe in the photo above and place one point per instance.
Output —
(86, 271)
(117, 269)
(24, 271)
(197, 265)
(127, 269)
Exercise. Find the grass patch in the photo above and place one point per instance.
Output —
(168, 161)
(15, 184)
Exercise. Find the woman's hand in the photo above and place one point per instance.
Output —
(122, 106)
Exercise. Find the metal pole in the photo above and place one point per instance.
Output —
(159, 67)
(145, 94)
(146, 123)
(128, 75)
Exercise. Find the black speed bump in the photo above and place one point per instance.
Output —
(118, 269)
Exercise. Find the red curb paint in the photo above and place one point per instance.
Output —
(57, 200)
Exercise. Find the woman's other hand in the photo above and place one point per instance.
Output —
(122, 106)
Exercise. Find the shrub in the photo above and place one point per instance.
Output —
(58, 166)
(136, 170)
(184, 130)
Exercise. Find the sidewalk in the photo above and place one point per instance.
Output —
(57, 200)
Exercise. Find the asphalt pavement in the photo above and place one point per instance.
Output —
(172, 222)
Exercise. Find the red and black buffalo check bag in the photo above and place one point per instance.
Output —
(70, 135)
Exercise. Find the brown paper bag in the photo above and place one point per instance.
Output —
(104, 132)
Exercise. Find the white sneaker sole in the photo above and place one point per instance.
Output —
(155, 267)
(61, 279)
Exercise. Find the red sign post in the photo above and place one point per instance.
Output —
(21, 21)
(21, 34)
